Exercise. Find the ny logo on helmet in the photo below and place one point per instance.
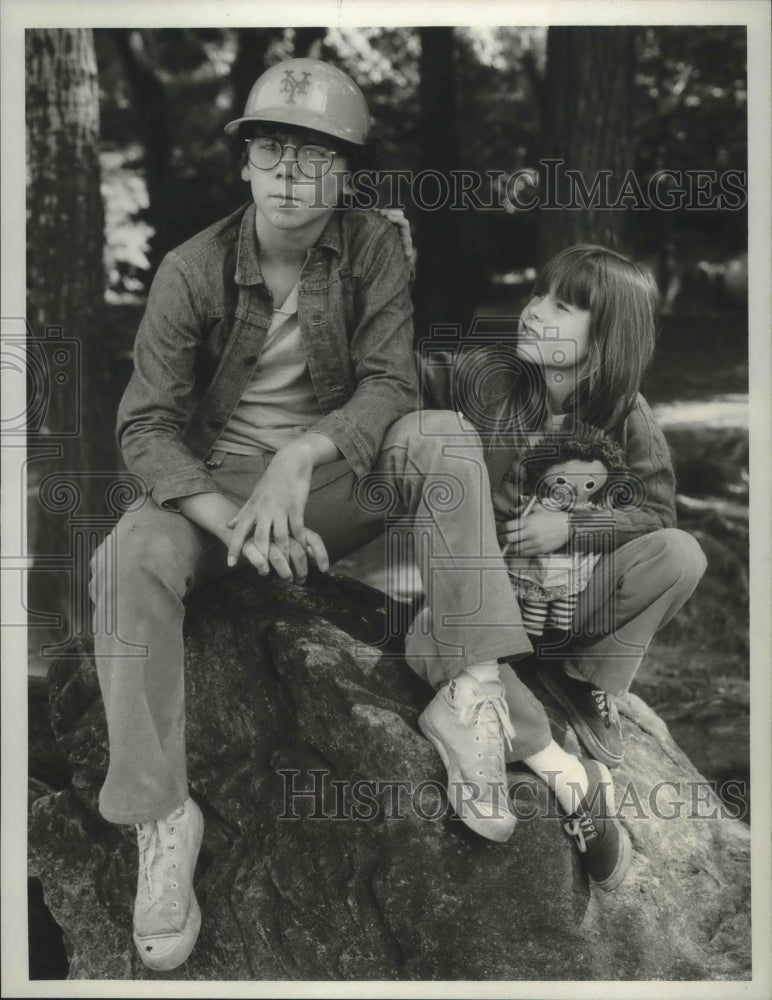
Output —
(289, 85)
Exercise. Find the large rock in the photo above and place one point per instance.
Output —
(374, 879)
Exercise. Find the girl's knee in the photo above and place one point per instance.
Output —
(682, 555)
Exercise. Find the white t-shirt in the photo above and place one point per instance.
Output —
(279, 403)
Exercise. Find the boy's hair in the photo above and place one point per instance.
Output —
(623, 301)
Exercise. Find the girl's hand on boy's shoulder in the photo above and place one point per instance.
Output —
(542, 531)
(397, 218)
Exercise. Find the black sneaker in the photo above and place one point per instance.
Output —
(602, 841)
(590, 711)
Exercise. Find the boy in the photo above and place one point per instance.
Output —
(242, 388)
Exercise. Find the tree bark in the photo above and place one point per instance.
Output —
(66, 437)
(441, 293)
(65, 277)
(151, 102)
(307, 42)
(588, 128)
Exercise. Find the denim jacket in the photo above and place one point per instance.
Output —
(648, 505)
(205, 324)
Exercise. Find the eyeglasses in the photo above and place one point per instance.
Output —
(313, 161)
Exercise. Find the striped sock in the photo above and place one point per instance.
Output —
(561, 612)
(534, 614)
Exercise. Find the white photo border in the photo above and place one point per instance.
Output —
(16, 16)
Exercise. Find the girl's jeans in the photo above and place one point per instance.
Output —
(634, 590)
(154, 558)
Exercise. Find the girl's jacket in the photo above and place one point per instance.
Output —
(646, 504)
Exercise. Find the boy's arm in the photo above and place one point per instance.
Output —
(210, 511)
(158, 400)
(382, 358)
(651, 495)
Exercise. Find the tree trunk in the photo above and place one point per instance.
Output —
(250, 62)
(65, 277)
(307, 42)
(67, 439)
(151, 102)
(441, 293)
(588, 128)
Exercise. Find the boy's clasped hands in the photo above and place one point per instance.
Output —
(268, 531)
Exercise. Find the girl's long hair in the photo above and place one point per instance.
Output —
(623, 301)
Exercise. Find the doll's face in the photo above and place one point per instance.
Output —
(571, 483)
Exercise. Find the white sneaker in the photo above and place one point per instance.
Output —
(467, 722)
(167, 918)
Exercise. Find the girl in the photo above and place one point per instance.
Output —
(583, 343)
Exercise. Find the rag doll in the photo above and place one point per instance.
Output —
(573, 476)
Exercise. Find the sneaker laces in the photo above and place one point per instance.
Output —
(582, 828)
(604, 705)
(149, 838)
(489, 713)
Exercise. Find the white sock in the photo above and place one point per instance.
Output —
(485, 673)
(563, 772)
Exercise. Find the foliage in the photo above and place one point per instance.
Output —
(690, 101)
(691, 94)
